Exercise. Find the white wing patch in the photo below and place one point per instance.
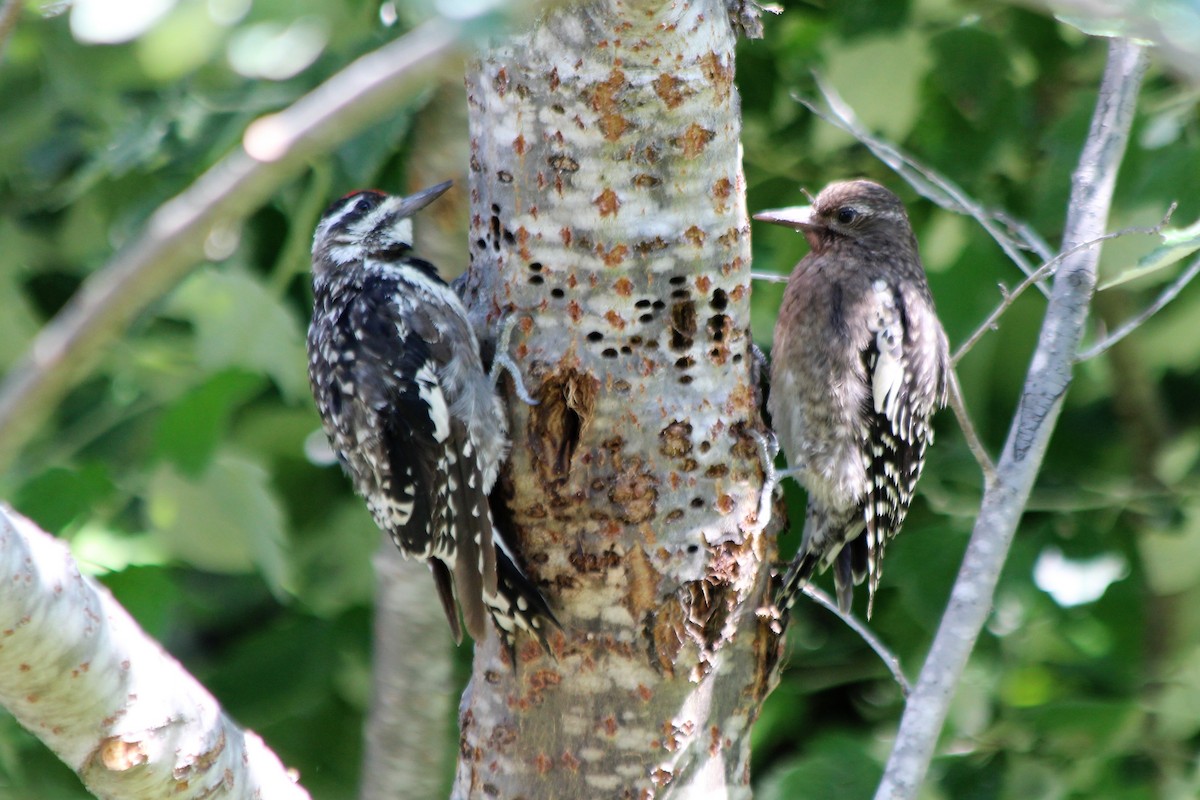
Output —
(887, 377)
(430, 391)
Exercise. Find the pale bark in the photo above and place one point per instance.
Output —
(1041, 401)
(78, 673)
(609, 213)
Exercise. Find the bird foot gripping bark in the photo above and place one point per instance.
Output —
(502, 361)
(768, 448)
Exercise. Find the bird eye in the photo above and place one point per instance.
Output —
(846, 215)
(363, 205)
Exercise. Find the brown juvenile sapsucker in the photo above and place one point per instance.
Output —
(859, 364)
(414, 419)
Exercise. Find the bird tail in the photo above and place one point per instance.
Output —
(799, 573)
(517, 604)
(444, 581)
(828, 539)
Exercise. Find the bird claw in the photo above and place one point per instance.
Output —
(768, 448)
(503, 361)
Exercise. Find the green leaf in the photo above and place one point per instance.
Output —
(334, 571)
(1177, 243)
(241, 324)
(58, 496)
(227, 520)
(189, 432)
(1171, 558)
(886, 95)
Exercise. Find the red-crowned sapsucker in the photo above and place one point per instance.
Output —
(410, 411)
(859, 364)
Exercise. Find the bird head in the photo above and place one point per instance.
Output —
(858, 210)
(368, 221)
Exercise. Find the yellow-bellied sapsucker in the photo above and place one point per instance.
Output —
(858, 366)
(415, 420)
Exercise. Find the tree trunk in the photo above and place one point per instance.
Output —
(608, 211)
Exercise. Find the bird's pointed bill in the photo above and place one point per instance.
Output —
(798, 217)
(415, 202)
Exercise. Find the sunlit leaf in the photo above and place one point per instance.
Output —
(240, 324)
(1177, 244)
(227, 520)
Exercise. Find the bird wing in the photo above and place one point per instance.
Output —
(461, 512)
(406, 443)
(897, 430)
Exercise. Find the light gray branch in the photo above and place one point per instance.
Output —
(1048, 268)
(1041, 401)
(78, 673)
(10, 12)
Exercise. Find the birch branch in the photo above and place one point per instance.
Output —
(78, 673)
(1041, 402)
(413, 689)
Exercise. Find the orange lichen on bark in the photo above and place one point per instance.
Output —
(695, 139)
(666, 86)
(605, 102)
(607, 203)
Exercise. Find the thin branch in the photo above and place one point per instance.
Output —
(768, 277)
(959, 405)
(1128, 327)
(1041, 401)
(925, 180)
(889, 659)
(1008, 298)
(10, 12)
(274, 149)
(1025, 233)
(1048, 269)
(78, 673)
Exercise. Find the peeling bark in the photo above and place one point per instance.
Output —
(609, 212)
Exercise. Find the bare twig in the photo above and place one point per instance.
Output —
(889, 659)
(1131, 325)
(1008, 299)
(274, 148)
(974, 444)
(10, 12)
(1047, 269)
(768, 277)
(925, 180)
(1041, 402)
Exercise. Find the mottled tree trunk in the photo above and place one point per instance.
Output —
(608, 211)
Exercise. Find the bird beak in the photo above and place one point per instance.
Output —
(415, 202)
(798, 217)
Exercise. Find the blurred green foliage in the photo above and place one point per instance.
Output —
(179, 472)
